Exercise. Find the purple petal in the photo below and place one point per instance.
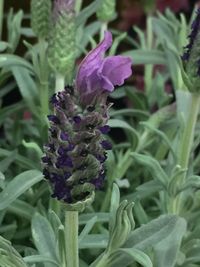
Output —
(114, 70)
(92, 61)
(104, 129)
(106, 145)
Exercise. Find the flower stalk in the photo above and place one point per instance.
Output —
(60, 82)
(192, 72)
(71, 238)
(185, 147)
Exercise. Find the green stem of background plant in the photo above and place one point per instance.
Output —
(149, 67)
(1, 17)
(185, 145)
(104, 27)
(71, 238)
(60, 82)
(78, 5)
(44, 83)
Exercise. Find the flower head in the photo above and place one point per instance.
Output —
(98, 74)
(76, 151)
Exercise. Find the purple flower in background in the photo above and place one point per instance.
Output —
(97, 75)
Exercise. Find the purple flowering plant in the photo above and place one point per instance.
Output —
(99, 167)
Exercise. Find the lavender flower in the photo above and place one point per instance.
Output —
(76, 152)
(191, 56)
(98, 75)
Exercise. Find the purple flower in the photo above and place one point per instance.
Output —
(97, 75)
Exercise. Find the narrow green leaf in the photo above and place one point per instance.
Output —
(22, 209)
(21, 160)
(138, 256)
(153, 165)
(87, 12)
(94, 241)
(88, 227)
(18, 186)
(39, 258)
(141, 57)
(26, 85)
(44, 237)
(8, 60)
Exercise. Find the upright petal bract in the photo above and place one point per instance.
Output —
(92, 61)
(114, 70)
(98, 75)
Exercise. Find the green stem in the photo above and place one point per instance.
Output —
(1, 17)
(60, 82)
(71, 237)
(149, 68)
(104, 27)
(44, 83)
(44, 97)
(185, 147)
(188, 134)
(78, 5)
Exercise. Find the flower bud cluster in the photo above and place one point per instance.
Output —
(106, 12)
(62, 43)
(74, 157)
(40, 17)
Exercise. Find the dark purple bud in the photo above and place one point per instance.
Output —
(50, 147)
(53, 118)
(54, 100)
(46, 173)
(101, 158)
(106, 145)
(62, 151)
(46, 160)
(54, 177)
(98, 182)
(70, 147)
(104, 129)
(64, 161)
(77, 119)
(64, 136)
(67, 175)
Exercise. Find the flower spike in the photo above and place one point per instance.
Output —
(76, 152)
